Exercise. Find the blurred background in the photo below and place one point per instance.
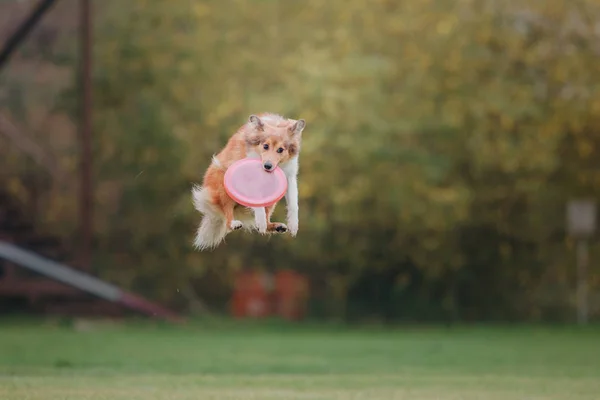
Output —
(444, 142)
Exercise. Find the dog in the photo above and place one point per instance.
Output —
(274, 140)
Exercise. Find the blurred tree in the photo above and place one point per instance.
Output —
(443, 140)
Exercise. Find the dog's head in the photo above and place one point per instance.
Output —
(276, 140)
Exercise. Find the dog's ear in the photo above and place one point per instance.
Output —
(292, 149)
(256, 122)
(298, 127)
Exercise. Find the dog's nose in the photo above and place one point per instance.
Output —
(268, 165)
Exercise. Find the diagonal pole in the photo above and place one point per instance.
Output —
(24, 29)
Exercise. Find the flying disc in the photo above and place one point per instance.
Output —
(248, 184)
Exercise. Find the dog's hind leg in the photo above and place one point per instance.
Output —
(274, 227)
(228, 207)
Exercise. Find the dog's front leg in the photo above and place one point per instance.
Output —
(291, 199)
(260, 219)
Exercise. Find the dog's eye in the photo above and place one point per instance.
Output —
(266, 146)
(280, 150)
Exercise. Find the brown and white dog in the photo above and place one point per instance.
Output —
(276, 141)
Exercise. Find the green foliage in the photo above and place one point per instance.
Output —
(426, 122)
(443, 141)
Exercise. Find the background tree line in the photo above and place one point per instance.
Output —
(443, 141)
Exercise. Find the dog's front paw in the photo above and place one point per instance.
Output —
(235, 225)
(260, 219)
(292, 225)
(277, 227)
(261, 226)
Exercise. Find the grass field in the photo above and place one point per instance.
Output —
(142, 362)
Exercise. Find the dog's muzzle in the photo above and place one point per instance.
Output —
(268, 166)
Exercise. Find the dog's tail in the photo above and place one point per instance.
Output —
(212, 229)
(211, 232)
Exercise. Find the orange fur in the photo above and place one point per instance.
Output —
(273, 139)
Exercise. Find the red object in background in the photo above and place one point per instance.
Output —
(291, 294)
(251, 295)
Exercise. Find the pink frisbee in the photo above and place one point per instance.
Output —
(247, 183)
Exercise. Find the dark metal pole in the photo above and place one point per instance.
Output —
(86, 195)
(582, 284)
(24, 29)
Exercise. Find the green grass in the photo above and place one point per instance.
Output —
(248, 361)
